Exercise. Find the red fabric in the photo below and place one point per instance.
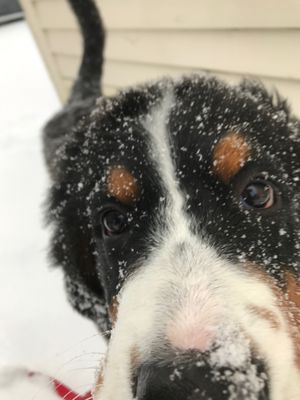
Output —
(65, 393)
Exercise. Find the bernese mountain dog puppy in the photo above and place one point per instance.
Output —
(175, 210)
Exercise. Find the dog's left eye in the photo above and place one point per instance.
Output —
(114, 222)
(258, 194)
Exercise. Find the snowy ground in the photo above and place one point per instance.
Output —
(38, 329)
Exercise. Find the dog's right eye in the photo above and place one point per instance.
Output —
(114, 222)
(258, 194)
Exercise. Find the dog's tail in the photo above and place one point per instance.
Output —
(88, 82)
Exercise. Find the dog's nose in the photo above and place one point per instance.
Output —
(197, 381)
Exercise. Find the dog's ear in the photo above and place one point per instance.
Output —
(265, 98)
(73, 248)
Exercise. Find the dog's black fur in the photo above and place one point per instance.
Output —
(88, 136)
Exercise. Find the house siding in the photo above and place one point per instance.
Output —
(147, 39)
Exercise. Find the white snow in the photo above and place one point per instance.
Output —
(39, 329)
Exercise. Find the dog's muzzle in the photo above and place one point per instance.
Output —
(188, 332)
(194, 379)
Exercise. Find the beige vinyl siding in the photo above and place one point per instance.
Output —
(217, 50)
(178, 14)
(147, 39)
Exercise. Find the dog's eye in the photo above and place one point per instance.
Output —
(114, 222)
(258, 194)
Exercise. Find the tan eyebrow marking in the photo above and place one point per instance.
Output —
(122, 185)
(230, 154)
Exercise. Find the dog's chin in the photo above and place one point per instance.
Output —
(183, 379)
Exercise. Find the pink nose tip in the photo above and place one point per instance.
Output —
(190, 339)
(191, 330)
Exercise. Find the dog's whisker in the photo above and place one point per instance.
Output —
(95, 368)
(79, 343)
(80, 358)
